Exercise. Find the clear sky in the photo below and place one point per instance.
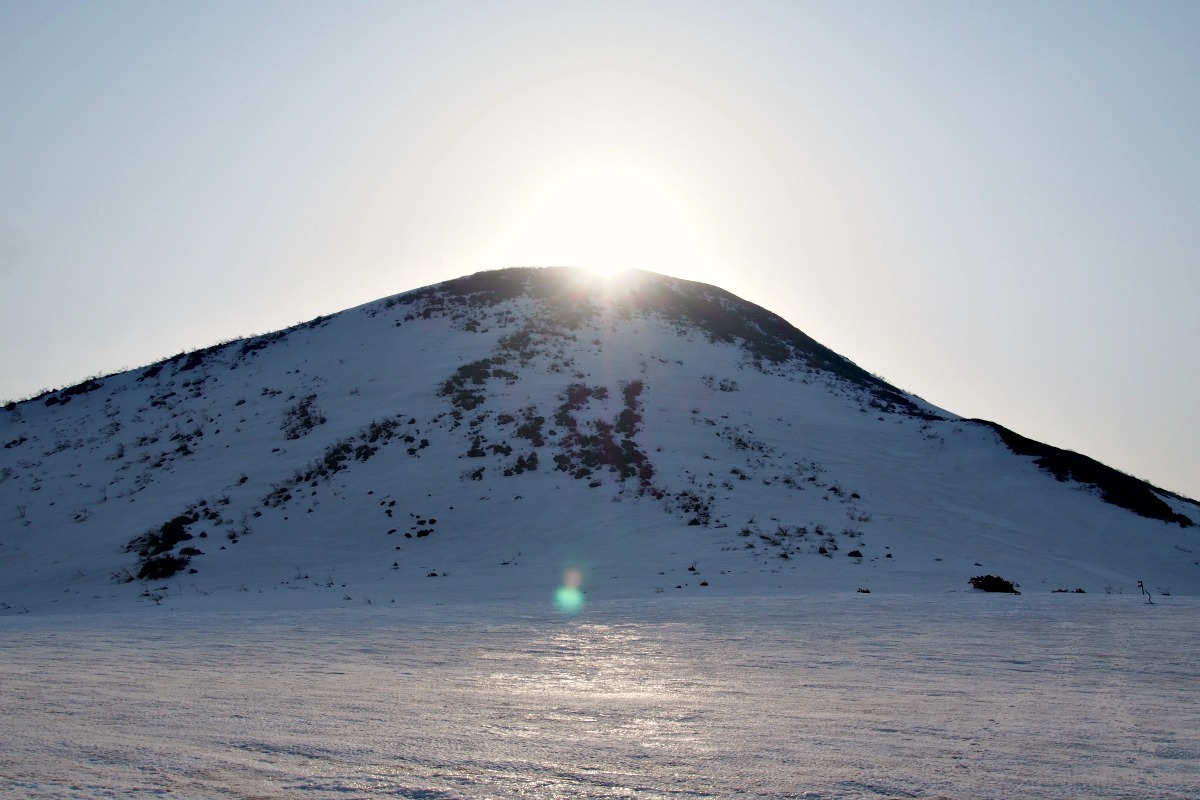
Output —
(993, 205)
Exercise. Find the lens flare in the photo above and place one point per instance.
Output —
(568, 598)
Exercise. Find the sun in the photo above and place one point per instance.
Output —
(606, 273)
(607, 217)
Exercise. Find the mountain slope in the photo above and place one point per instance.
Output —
(483, 436)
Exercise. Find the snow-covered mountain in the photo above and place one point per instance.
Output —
(510, 433)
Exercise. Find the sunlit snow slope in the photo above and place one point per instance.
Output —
(482, 437)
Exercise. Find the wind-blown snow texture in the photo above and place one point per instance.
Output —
(853, 697)
(475, 439)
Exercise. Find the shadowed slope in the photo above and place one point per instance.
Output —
(1115, 487)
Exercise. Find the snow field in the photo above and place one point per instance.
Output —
(844, 696)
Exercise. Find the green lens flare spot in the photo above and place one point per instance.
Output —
(568, 599)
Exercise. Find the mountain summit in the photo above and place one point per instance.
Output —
(512, 432)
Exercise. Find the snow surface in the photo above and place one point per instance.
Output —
(840, 696)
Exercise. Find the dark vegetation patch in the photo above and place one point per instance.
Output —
(524, 463)
(338, 456)
(790, 541)
(157, 556)
(592, 444)
(300, 419)
(164, 538)
(261, 342)
(64, 396)
(183, 440)
(489, 288)
(192, 360)
(993, 583)
(155, 568)
(696, 509)
(464, 387)
(422, 526)
(530, 426)
(184, 362)
(1115, 487)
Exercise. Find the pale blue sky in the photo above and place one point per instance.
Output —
(993, 205)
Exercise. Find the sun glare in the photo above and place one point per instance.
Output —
(608, 273)
(607, 218)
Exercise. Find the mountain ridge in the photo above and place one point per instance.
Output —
(540, 376)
